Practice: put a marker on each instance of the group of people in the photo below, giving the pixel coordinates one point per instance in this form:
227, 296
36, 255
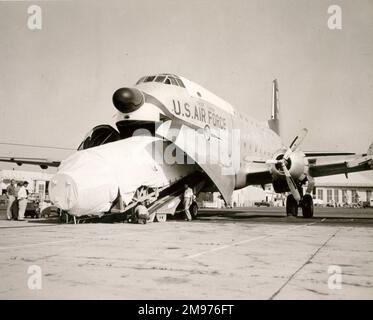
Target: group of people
17, 200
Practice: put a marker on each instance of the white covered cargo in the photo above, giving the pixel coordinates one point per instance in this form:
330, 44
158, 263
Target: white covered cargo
88, 182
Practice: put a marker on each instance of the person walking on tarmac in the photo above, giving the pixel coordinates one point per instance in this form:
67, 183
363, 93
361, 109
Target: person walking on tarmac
22, 201
187, 201
12, 194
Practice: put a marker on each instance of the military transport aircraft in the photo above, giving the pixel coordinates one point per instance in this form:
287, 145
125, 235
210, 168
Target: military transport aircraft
171, 131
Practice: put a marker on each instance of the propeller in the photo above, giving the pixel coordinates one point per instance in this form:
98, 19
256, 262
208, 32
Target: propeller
284, 161
293, 147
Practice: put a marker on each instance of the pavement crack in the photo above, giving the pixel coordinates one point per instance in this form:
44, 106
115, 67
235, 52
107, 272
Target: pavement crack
316, 292
304, 264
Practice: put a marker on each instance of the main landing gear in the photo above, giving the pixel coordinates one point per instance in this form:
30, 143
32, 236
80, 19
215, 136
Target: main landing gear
306, 203
291, 206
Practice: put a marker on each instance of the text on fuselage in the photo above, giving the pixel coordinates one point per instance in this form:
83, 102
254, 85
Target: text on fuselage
199, 113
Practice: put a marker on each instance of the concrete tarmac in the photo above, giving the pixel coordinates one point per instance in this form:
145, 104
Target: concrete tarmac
251, 253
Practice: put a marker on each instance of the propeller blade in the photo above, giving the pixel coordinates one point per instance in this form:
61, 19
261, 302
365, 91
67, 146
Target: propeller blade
287, 154
296, 143
289, 179
294, 191
272, 161
298, 139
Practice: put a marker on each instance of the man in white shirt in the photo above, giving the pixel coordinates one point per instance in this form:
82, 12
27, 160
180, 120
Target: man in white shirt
187, 201
22, 201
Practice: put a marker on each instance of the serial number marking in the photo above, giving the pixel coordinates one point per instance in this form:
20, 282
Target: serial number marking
202, 309
186, 309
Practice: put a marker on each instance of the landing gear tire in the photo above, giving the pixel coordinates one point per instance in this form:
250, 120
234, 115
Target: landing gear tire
193, 210
291, 206
161, 217
307, 206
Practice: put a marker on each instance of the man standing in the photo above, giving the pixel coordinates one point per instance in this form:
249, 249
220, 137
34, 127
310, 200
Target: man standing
22, 201
12, 193
188, 199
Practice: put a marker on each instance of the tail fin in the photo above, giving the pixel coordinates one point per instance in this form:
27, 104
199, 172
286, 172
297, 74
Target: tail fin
274, 122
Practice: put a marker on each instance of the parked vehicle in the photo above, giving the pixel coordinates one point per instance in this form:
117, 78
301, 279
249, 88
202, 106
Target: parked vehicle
318, 203
32, 209
262, 203
3, 200
366, 204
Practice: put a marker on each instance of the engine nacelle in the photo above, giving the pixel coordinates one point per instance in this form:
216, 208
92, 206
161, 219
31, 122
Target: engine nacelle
297, 164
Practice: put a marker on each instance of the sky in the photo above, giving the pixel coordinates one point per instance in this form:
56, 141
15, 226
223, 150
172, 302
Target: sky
57, 83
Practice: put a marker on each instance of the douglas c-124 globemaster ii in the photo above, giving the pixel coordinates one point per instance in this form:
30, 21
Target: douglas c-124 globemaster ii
171, 131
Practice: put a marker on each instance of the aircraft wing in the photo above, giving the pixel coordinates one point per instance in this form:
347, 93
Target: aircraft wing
258, 173
43, 163
310, 154
330, 165
259, 177
320, 164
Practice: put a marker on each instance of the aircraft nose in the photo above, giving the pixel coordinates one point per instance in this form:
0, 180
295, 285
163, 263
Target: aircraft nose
84, 184
128, 99
63, 191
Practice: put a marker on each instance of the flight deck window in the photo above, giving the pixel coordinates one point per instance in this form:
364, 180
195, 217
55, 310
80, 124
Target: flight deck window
160, 79
167, 81
173, 81
180, 83
149, 79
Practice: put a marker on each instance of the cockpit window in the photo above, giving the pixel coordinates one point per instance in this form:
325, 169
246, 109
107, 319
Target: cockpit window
149, 79
180, 83
163, 78
160, 78
173, 81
